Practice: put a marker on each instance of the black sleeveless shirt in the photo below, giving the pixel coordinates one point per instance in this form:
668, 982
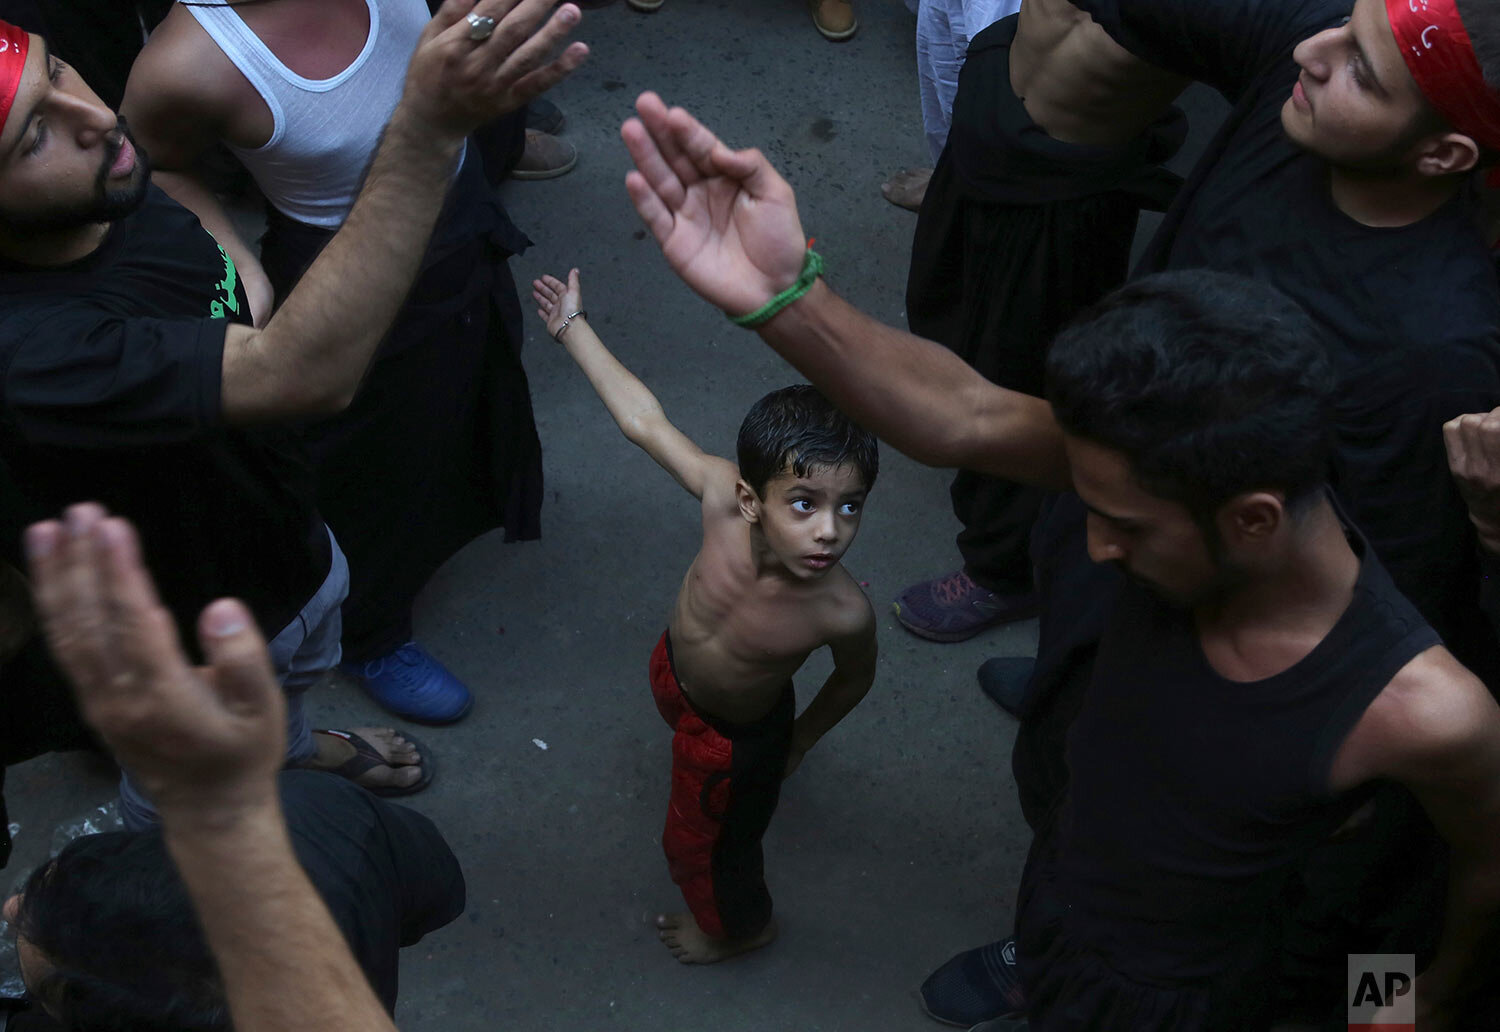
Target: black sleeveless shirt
1192, 797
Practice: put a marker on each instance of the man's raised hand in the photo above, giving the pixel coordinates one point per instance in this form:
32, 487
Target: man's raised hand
1473, 444
725, 220
205, 743
455, 83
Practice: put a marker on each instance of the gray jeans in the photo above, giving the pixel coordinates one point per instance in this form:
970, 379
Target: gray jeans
302, 652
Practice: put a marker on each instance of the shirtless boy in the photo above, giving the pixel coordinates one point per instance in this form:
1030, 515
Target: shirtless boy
765, 591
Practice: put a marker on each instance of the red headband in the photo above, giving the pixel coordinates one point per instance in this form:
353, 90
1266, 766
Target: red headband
14, 42
1441, 58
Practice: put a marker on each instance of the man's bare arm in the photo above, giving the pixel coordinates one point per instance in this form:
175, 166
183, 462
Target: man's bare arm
206, 744
918, 395
727, 224
636, 411
311, 356
179, 102
1436, 730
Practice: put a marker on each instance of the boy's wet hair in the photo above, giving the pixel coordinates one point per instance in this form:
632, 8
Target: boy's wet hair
798, 429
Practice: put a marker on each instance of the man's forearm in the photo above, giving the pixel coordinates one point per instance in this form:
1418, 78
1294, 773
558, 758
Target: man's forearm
916, 394
312, 355
286, 966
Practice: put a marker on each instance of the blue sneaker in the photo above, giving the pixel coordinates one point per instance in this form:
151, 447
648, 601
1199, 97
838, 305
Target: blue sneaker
412, 684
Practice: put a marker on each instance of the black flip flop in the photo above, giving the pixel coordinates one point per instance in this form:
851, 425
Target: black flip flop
366, 757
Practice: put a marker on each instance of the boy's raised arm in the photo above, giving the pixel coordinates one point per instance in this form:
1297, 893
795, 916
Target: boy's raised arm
634, 408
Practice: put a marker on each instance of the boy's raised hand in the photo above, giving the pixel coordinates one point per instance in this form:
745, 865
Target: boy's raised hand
726, 222
556, 300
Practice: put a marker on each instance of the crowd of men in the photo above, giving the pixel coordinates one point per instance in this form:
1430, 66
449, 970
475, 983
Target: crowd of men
1251, 485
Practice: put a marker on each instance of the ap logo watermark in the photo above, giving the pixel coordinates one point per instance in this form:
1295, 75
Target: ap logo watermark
1381, 993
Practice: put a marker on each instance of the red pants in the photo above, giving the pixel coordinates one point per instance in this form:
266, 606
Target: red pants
726, 780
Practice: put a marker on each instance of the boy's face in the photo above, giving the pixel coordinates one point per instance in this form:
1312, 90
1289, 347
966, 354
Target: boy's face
809, 521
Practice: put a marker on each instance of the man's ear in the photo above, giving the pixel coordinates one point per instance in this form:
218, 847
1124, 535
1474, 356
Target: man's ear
1252, 518
1447, 154
748, 500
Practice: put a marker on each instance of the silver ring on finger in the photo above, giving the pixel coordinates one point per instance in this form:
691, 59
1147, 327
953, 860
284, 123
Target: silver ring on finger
480, 26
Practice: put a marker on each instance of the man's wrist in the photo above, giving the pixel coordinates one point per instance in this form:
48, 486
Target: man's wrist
812, 271
221, 816
802, 312
411, 130
1488, 532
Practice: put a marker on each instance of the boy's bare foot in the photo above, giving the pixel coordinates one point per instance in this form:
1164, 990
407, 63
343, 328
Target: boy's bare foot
689, 944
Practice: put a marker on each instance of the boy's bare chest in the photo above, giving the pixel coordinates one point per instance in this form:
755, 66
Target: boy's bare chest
736, 641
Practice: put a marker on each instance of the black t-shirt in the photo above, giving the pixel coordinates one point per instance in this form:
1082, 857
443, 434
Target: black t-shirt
385, 872
1412, 315
110, 372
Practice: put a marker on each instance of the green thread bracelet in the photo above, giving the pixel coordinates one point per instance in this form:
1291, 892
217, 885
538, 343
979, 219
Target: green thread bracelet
812, 268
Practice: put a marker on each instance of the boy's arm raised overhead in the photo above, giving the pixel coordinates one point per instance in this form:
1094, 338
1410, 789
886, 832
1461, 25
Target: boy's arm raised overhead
634, 408
854, 655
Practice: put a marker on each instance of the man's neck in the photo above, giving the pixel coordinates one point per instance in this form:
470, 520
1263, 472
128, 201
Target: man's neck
52, 248
1390, 202
1276, 618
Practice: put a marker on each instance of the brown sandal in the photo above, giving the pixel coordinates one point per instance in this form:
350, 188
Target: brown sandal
366, 758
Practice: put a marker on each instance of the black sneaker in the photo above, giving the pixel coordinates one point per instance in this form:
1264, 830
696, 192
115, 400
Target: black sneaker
977, 986
1005, 680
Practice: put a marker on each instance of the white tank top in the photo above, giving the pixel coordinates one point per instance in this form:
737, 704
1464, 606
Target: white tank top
325, 130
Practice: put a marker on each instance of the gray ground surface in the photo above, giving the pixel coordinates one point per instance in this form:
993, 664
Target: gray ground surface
899, 841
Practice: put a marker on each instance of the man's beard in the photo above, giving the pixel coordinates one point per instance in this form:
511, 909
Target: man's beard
1226, 579
106, 205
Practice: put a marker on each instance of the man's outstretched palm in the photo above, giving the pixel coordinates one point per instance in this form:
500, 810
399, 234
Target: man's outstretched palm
726, 222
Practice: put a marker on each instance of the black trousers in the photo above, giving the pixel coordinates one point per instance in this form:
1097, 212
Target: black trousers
994, 283
440, 444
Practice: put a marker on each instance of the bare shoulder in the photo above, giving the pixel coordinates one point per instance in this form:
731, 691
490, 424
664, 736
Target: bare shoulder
181, 72
847, 612
1429, 720
719, 499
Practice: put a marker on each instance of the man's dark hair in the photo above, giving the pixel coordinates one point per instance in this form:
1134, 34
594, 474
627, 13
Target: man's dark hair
1210, 385
1481, 20
113, 918
797, 428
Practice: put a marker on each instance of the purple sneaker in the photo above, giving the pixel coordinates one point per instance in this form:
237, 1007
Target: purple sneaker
412, 684
954, 608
